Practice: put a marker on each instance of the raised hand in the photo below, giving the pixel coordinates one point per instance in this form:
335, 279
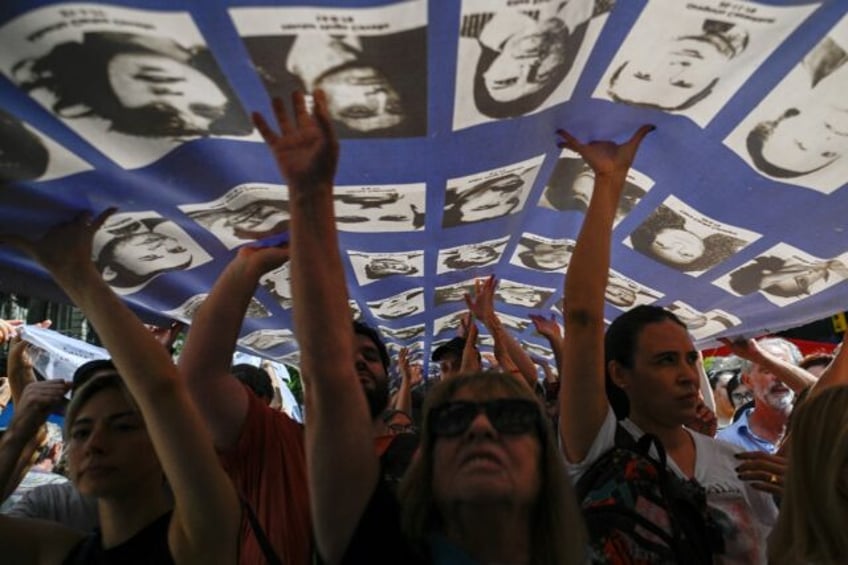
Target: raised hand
259, 260
66, 248
606, 157
744, 348
306, 149
36, 403
9, 329
547, 327
482, 305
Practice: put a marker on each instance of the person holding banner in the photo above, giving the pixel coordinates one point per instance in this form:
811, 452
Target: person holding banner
641, 376
474, 424
130, 425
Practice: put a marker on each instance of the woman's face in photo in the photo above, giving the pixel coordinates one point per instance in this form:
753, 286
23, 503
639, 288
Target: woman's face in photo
794, 278
363, 99
677, 246
499, 198
141, 79
151, 252
553, 257
814, 134
527, 63
477, 255
620, 295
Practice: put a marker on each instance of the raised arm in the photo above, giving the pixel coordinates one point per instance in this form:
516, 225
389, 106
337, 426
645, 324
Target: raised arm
583, 402
549, 328
342, 467
21, 439
208, 353
793, 376
483, 306
836, 373
204, 526
410, 375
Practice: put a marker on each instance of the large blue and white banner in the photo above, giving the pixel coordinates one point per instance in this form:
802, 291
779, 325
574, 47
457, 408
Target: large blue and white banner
733, 216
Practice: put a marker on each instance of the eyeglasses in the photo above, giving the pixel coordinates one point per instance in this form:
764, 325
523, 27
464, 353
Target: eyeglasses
507, 415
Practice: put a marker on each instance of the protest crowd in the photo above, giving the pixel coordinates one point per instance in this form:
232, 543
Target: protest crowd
633, 448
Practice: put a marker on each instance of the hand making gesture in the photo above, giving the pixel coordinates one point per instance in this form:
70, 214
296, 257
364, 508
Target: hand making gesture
306, 149
606, 157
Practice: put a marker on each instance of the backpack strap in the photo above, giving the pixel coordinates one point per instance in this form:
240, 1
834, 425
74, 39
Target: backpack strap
267, 550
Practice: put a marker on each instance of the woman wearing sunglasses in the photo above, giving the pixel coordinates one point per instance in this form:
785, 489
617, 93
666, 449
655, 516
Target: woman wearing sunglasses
488, 483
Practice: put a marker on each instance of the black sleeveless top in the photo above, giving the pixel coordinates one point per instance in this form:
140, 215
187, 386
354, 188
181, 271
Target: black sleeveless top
148, 547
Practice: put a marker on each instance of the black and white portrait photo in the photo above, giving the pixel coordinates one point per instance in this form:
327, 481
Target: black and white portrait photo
682, 238
400, 305
703, 324
134, 83
690, 58
515, 58
370, 62
245, 213
28, 155
799, 133
471, 256
384, 208
572, 183
453, 292
489, 194
370, 267
403, 334
520, 294
267, 339
785, 274
186, 311
625, 293
542, 254
278, 284
449, 322
132, 249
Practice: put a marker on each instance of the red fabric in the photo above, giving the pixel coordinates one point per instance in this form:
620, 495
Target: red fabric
804, 345
268, 467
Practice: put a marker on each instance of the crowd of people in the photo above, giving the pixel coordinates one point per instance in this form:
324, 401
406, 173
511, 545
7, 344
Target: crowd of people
191, 461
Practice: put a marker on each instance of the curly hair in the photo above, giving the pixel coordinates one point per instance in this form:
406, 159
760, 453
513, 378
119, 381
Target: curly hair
76, 73
718, 247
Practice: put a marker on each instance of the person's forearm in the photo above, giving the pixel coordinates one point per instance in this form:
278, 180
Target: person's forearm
342, 468
211, 341
16, 451
793, 376
403, 402
583, 403
519, 358
18, 374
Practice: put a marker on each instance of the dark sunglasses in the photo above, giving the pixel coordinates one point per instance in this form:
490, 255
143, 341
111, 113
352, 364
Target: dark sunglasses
507, 415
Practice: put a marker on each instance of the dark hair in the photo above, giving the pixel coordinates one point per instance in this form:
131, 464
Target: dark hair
718, 247
88, 369
455, 200
22, 154
76, 73
255, 378
620, 346
816, 359
490, 107
453, 347
361, 328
